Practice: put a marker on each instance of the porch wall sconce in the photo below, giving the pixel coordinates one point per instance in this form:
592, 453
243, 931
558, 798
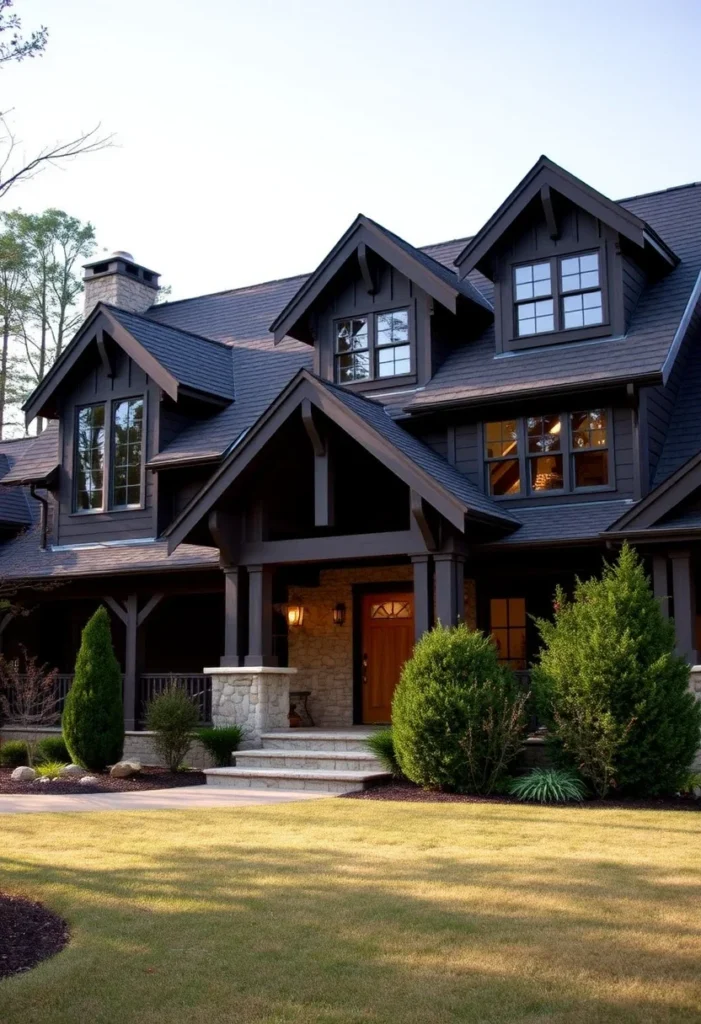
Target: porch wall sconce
339, 614
294, 614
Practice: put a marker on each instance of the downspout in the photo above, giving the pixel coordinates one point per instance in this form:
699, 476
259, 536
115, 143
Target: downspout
44, 513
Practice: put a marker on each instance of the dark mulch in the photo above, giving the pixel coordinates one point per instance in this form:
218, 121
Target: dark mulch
150, 778
406, 791
29, 933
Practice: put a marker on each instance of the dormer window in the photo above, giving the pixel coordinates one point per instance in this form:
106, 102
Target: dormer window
372, 347
559, 294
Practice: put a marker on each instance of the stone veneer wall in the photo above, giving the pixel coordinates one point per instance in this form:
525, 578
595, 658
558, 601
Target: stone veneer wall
138, 745
257, 699
322, 652
118, 290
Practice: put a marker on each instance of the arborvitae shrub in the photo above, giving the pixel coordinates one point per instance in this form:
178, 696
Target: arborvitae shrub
93, 716
458, 714
612, 690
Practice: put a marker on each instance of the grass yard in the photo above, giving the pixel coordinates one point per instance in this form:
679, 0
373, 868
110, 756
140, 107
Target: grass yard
360, 911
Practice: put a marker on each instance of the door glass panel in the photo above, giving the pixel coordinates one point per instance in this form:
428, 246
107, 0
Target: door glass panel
391, 610
507, 618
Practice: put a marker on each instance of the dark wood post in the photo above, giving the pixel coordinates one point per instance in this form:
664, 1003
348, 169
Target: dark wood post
131, 624
423, 594
232, 620
660, 582
684, 595
450, 600
4, 623
260, 616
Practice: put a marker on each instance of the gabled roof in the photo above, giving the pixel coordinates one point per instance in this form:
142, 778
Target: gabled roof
14, 508
545, 174
659, 503
37, 461
409, 459
437, 280
177, 360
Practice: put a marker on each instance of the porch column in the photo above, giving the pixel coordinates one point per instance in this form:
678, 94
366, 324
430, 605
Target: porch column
4, 623
131, 625
450, 586
232, 620
660, 582
423, 595
260, 616
684, 596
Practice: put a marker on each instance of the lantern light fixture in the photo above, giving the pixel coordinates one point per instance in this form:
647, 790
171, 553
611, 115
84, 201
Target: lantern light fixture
339, 614
295, 615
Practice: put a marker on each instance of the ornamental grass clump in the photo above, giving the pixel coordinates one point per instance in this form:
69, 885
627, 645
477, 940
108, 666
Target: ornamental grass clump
549, 786
93, 716
458, 715
381, 744
220, 741
172, 717
613, 692
49, 769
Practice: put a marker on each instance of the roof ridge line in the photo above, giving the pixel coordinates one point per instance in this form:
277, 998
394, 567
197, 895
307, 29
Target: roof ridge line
169, 327
659, 192
230, 291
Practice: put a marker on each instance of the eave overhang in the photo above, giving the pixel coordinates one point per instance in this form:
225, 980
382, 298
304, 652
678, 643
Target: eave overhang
305, 386
659, 502
546, 174
364, 232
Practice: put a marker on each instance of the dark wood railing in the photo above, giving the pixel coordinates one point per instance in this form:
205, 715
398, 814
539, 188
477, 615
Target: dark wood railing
197, 685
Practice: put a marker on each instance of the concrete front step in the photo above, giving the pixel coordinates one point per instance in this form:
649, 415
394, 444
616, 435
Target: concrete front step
287, 778
309, 760
317, 739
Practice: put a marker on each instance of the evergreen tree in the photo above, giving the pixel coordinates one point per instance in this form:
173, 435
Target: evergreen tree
614, 693
93, 718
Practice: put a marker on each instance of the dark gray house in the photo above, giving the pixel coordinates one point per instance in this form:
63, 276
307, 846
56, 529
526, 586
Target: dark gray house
307, 473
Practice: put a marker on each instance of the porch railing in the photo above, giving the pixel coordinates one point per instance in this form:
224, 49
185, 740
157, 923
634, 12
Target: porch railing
197, 685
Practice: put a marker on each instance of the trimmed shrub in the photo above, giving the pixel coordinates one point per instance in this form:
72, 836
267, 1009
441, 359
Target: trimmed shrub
172, 716
52, 748
14, 753
458, 715
612, 690
220, 742
548, 786
381, 744
93, 716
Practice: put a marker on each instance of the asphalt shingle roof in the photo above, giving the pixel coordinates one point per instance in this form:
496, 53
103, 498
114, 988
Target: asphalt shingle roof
38, 457
14, 503
559, 524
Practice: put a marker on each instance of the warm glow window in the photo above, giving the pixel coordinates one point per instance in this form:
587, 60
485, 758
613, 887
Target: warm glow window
90, 458
507, 623
372, 347
559, 294
552, 452
127, 446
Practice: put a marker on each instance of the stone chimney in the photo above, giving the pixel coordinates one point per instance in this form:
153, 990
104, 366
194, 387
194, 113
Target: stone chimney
121, 282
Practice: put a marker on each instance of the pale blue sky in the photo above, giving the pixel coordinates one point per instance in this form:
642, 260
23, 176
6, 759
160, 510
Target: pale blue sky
251, 133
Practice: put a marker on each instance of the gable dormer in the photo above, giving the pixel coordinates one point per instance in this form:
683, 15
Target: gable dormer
368, 311
567, 263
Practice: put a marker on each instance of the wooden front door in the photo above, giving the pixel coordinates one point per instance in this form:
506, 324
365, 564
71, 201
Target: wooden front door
388, 639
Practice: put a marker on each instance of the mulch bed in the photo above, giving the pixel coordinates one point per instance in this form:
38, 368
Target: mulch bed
29, 933
150, 778
406, 791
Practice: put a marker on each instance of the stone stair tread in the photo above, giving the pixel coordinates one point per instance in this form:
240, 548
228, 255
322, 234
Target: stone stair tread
317, 755
297, 773
355, 733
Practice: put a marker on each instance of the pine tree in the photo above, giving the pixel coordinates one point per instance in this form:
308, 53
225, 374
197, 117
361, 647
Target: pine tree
614, 693
93, 718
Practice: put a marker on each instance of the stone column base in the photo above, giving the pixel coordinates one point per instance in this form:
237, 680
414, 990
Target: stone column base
256, 698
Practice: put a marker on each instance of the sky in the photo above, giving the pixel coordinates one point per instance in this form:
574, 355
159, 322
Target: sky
248, 135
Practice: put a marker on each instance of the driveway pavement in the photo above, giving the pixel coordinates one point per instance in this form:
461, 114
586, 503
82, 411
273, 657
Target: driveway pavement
186, 798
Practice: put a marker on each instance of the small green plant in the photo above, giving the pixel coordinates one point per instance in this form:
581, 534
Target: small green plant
49, 769
691, 784
172, 716
548, 786
14, 754
52, 748
220, 742
381, 744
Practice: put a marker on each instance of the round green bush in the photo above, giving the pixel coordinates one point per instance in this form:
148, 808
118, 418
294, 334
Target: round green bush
93, 716
14, 753
52, 748
172, 716
220, 741
458, 715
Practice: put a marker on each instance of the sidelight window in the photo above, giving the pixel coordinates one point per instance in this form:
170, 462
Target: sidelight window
90, 458
127, 448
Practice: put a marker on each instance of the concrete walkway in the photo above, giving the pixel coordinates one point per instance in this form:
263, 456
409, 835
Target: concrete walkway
179, 799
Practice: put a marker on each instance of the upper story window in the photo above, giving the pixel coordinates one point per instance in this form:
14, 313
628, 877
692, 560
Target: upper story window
372, 347
554, 452
109, 450
90, 458
127, 434
576, 301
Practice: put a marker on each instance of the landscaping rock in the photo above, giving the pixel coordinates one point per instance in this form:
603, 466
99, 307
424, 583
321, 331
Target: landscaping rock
72, 770
88, 780
23, 774
123, 769
43, 781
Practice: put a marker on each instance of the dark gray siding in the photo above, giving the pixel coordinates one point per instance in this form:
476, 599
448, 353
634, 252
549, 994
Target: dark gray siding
633, 280
660, 401
96, 386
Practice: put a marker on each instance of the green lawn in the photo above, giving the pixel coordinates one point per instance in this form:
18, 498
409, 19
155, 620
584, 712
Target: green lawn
341, 911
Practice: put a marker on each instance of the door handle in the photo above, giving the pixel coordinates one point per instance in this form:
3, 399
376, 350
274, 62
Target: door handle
365, 669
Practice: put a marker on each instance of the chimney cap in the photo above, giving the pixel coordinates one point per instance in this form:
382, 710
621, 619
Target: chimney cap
124, 255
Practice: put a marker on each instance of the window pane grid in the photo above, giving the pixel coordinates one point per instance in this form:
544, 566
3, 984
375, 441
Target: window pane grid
582, 302
501, 451
373, 347
508, 629
90, 458
590, 456
127, 426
